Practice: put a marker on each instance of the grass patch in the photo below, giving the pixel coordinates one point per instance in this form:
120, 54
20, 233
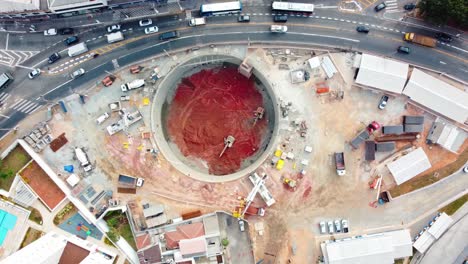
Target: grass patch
11, 164
430, 178
31, 236
119, 227
452, 207
65, 213
35, 216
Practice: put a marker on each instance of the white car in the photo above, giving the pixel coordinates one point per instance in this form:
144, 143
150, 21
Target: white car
140, 182
151, 30
77, 73
338, 226
113, 28
34, 73
465, 170
102, 118
345, 225
278, 29
50, 32
146, 22
241, 225
323, 227
331, 230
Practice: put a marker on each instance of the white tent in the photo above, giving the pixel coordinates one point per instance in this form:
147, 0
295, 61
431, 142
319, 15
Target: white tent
409, 165
381, 73
438, 96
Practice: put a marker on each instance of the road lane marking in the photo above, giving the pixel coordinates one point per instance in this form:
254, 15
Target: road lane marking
7, 39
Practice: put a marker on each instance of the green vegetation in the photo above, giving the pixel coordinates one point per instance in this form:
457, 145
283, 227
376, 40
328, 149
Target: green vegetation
31, 236
442, 12
452, 207
63, 214
430, 178
11, 165
119, 227
35, 216
225, 242
108, 242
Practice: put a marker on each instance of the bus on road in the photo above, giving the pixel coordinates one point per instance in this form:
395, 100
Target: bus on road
221, 8
293, 7
5, 80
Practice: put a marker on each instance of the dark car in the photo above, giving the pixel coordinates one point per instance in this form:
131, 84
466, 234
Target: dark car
443, 37
71, 40
409, 7
363, 29
380, 7
169, 35
54, 57
383, 102
281, 18
66, 31
403, 49
243, 18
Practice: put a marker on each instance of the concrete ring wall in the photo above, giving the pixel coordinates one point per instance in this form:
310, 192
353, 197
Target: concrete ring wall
167, 86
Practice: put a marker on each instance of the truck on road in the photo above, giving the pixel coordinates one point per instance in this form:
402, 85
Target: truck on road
83, 159
115, 37
340, 163
132, 85
420, 39
78, 49
197, 21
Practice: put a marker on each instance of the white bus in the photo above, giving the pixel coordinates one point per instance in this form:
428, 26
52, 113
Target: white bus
221, 8
292, 7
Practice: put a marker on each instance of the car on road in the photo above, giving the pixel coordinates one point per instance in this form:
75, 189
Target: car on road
151, 30
77, 73
465, 170
145, 22
241, 225
323, 227
50, 32
380, 7
71, 40
108, 80
280, 18
363, 29
383, 102
66, 31
34, 73
140, 182
243, 18
345, 225
169, 35
403, 49
113, 28
409, 7
278, 29
54, 57
338, 226
330, 227
443, 37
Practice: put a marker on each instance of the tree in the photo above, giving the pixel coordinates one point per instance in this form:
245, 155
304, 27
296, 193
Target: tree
113, 234
441, 11
112, 222
225, 242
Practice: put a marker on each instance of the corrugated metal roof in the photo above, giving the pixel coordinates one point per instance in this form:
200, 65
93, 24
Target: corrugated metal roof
370, 150
381, 73
385, 146
440, 226
438, 96
394, 130
409, 165
423, 242
417, 120
409, 128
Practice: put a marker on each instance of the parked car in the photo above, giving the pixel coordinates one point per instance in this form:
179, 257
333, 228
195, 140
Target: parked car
151, 30
241, 225
66, 31
113, 28
383, 102
323, 227
338, 226
330, 227
77, 73
443, 37
54, 57
146, 22
108, 80
102, 118
50, 32
363, 29
34, 73
380, 7
345, 225
280, 18
140, 182
403, 49
243, 18
409, 7
71, 40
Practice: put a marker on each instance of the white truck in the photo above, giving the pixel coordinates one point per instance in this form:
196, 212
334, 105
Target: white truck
83, 159
132, 85
115, 37
197, 21
77, 49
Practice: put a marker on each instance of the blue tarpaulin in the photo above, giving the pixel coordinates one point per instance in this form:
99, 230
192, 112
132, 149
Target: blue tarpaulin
68, 168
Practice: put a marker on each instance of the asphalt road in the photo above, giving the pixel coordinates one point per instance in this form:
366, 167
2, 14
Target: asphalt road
326, 28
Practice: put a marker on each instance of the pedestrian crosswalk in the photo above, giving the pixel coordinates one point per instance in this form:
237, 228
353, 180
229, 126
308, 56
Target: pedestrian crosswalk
25, 106
392, 6
4, 97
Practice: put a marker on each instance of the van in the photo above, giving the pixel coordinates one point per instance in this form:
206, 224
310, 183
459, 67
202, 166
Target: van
280, 18
169, 35
102, 118
278, 29
115, 37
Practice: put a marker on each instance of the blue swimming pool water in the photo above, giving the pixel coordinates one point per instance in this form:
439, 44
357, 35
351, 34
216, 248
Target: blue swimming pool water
7, 223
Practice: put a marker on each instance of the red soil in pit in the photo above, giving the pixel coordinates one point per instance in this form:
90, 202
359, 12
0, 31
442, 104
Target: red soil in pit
207, 107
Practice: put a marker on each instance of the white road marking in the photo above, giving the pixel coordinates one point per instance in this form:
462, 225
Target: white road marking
459, 49
34, 109
354, 22
441, 62
7, 39
31, 107
56, 88
18, 101
23, 106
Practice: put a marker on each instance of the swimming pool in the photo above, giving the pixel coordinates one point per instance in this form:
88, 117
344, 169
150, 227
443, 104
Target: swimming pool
7, 223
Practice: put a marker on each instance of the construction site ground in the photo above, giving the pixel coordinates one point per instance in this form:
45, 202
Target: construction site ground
290, 227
